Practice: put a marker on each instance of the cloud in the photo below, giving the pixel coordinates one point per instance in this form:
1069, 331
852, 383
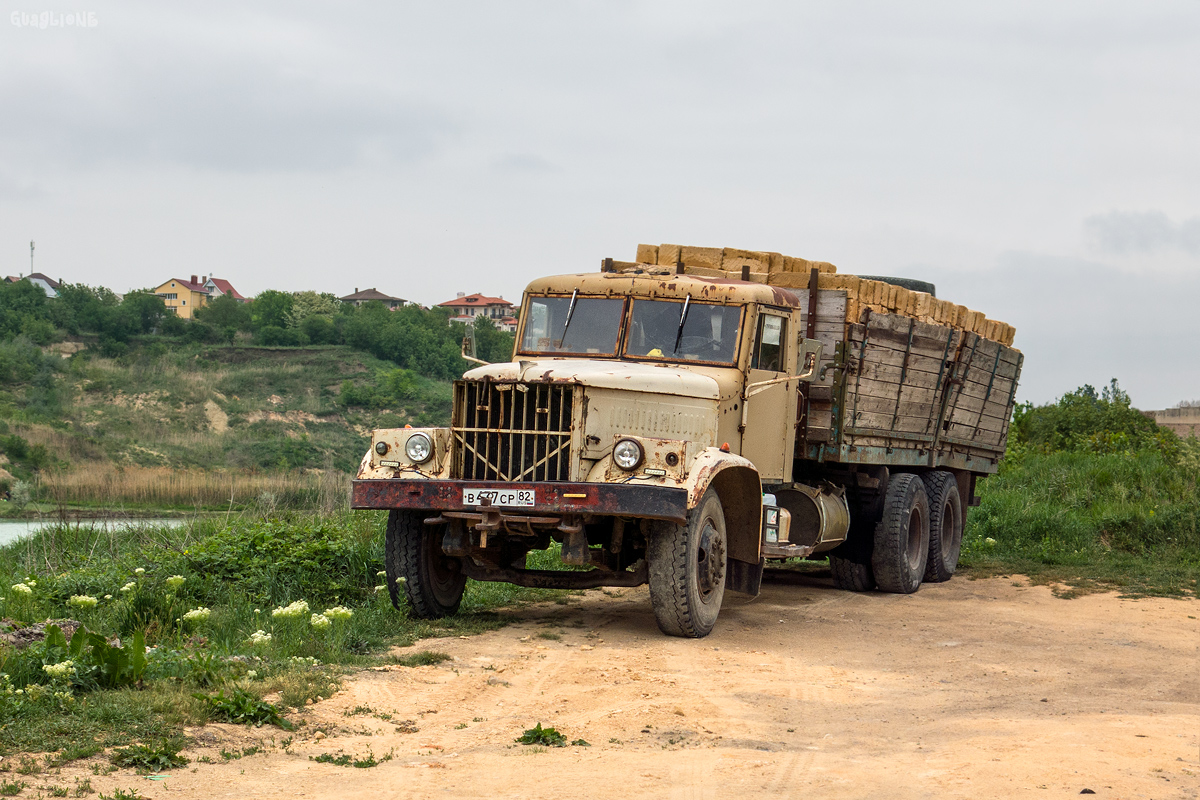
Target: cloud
1085, 322
1132, 233
183, 101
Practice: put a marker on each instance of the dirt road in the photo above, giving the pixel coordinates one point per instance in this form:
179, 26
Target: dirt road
979, 689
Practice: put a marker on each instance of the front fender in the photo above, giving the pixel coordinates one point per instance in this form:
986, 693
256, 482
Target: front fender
737, 483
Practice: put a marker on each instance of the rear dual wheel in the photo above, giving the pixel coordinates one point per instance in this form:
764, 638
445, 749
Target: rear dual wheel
901, 550
946, 520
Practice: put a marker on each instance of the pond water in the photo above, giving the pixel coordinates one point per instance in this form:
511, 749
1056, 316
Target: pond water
11, 530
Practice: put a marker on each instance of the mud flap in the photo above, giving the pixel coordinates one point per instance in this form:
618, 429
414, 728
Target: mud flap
744, 576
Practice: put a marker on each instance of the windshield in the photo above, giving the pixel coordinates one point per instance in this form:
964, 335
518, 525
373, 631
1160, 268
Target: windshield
595, 324
661, 329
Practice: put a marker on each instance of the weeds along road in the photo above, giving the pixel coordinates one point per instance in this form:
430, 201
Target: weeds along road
966, 689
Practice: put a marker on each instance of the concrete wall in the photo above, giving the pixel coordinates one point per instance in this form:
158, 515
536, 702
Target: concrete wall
1183, 421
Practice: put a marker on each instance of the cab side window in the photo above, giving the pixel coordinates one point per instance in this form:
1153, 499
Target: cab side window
768, 343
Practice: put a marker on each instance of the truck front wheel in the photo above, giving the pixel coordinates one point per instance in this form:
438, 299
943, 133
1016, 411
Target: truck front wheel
687, 570
432, 582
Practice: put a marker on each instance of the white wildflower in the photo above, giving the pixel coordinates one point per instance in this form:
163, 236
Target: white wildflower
296, 610
140, 571
320, 621
22, 588
338, 613
108, 597
82, 601
31, 582
174, 582
260, 637
200, 614
381, 574
64, 669
990, 542
129, 587
252, 673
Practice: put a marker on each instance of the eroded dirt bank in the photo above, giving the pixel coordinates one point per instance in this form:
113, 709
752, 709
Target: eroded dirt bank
968, 689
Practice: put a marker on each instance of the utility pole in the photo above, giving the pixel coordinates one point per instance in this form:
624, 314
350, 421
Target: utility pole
30, 257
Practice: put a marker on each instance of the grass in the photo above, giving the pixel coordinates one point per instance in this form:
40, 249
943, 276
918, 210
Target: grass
425, 658
202, 595
1090, 521
108, 485
210, 427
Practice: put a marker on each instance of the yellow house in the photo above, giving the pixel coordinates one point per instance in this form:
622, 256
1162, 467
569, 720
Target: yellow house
183, 297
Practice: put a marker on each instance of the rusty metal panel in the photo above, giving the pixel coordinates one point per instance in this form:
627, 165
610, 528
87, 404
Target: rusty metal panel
628, 500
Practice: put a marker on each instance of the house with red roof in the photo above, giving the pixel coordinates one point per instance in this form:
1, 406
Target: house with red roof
183, 297
46, 284
467, 307
216, 287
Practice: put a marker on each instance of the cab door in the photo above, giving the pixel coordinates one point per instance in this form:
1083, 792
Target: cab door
769, 401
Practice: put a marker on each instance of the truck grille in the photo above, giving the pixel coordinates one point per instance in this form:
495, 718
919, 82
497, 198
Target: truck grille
512, 431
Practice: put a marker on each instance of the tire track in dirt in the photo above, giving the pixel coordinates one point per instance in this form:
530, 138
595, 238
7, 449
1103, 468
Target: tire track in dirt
934, 694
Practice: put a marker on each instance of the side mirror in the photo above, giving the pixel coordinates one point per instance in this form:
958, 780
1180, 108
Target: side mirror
468, 348
809, 359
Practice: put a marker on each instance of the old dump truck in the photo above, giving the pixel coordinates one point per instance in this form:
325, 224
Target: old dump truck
685, 418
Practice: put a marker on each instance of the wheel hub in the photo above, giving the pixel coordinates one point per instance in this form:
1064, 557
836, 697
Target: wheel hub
710, 560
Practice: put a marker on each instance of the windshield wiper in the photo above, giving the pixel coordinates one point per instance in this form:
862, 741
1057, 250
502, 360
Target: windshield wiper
567, 322
682, 319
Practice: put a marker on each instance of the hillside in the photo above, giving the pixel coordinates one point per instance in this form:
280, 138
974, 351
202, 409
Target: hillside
85, 427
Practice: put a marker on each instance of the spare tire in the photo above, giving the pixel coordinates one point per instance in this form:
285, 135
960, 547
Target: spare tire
911, 284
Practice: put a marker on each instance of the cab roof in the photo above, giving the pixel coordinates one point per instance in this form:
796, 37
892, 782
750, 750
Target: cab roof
664, 283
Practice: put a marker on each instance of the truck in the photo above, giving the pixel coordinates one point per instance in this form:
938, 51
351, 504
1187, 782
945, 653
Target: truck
685, 419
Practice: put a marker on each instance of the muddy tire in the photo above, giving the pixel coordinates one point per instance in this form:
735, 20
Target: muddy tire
902, 536
433, 582
688, 564
945, 525
852, 574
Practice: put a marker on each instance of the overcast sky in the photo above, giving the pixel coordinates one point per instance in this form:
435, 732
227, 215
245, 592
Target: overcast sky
1038, 161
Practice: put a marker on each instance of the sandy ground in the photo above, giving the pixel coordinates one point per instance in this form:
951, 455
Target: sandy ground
979, 689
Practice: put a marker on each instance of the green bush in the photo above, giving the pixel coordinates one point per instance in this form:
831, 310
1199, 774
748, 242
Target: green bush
1092, 490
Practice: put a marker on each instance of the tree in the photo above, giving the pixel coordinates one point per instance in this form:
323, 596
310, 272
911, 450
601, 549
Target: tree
225, 312
145, 309
270, 309
307, 304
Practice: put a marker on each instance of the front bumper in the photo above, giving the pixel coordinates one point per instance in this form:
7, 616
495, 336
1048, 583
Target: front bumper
615, 499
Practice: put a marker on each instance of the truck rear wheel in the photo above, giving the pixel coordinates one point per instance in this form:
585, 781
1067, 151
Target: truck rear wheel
687, 570
902, 536
851, 574
945, 525
433, 582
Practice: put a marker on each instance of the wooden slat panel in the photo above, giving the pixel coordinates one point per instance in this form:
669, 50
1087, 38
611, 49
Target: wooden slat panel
883, 422
894, 391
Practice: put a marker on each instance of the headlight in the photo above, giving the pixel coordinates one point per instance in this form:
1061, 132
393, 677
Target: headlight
418, 448
381, 448
627, 454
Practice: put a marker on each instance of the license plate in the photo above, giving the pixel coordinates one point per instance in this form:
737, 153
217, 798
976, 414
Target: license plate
510, 498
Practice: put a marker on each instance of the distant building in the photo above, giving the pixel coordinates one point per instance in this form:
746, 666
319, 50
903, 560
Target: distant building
217, 287
182, 298
468, 306
1184, 421
47, 285
367, 295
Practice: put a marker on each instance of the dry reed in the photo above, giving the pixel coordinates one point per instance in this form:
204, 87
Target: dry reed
111, 486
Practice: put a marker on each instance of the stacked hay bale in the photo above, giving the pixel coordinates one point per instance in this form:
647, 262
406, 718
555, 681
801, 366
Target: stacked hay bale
794, 273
